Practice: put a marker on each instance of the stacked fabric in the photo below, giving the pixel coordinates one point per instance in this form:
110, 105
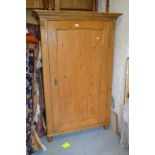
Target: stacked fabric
29, 100
35, 109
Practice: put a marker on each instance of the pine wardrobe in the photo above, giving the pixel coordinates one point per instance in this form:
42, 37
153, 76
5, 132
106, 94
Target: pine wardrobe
77, 56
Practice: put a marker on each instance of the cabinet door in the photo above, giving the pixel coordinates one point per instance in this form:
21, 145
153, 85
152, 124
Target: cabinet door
78, 59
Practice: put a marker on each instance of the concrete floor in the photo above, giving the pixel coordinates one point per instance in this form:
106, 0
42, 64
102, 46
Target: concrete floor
98, 141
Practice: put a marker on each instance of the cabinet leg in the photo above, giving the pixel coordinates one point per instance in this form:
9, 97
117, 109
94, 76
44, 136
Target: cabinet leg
105, 126
49, 138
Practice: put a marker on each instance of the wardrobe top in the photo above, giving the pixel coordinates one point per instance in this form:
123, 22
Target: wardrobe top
49, 14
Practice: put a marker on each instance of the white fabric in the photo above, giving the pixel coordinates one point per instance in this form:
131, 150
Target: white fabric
125, 127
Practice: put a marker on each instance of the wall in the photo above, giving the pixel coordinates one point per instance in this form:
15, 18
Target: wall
120, 51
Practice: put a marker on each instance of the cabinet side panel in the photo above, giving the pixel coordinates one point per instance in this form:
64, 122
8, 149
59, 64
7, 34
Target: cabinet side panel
46, 75
110, 51
53, 54
104, 73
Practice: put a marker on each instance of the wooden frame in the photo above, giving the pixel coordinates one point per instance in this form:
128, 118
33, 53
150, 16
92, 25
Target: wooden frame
107, 6
40, 4
55, 5
58, 6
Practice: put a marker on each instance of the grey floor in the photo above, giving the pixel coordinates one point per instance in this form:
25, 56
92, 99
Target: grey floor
98, 141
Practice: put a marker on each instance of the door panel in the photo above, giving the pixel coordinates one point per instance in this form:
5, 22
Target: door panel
78, 67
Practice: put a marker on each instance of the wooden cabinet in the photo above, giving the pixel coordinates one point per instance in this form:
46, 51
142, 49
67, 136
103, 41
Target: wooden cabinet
32, 4
40, 4
77, 52
87, 5
77, 4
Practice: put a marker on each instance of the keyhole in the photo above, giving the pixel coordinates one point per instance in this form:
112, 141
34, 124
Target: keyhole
55, 82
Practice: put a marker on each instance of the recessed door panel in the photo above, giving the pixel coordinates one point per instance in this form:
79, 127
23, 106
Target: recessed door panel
78, 69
